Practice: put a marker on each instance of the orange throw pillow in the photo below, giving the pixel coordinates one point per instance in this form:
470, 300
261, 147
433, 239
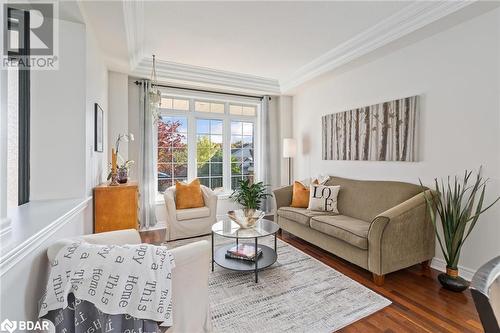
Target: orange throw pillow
188, 195
300, 195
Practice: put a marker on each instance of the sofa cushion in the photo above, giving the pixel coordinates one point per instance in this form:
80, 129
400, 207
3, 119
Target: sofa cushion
299, 215
365, 199
348, 229
189, 195
192, 213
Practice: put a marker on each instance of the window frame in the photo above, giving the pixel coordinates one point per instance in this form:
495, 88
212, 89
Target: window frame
192, 117
24, 105
254, 148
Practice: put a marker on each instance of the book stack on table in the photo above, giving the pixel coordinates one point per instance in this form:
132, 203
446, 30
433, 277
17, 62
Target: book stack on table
243, 252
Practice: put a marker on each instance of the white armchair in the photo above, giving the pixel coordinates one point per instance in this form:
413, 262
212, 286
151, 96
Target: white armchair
189, 277
184, 223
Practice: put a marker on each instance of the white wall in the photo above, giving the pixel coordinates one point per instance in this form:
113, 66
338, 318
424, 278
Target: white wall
457, 74
286, 131
58, 118
118, 111
63, 161
97, 92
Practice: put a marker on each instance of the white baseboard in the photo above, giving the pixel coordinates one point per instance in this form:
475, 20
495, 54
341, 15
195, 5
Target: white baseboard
440, 265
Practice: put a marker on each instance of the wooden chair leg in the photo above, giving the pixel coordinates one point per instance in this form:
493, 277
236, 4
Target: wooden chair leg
378, 279
426, 264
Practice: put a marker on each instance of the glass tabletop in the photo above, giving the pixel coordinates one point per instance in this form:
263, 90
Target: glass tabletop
230, 229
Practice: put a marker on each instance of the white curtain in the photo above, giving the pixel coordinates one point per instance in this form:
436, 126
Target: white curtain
147, 158
269, 172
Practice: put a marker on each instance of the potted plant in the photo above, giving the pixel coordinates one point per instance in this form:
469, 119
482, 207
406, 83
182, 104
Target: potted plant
458, 205
249, 196
123, 170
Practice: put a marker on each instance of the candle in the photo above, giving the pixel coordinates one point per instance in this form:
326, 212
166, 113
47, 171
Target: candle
113, 160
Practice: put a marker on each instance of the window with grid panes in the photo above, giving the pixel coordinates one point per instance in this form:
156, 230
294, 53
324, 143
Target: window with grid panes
209, 140
242, 152
172, 151
209, 152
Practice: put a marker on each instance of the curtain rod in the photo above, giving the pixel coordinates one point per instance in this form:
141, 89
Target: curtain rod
207, 91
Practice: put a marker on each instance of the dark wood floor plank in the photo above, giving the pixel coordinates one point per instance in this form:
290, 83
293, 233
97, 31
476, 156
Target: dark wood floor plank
419, 304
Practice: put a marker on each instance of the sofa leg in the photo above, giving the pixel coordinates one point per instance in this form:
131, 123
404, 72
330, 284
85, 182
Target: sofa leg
378, 279
426, 264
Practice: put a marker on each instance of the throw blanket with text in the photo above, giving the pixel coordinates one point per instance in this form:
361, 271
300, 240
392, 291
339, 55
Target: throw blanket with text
130, 279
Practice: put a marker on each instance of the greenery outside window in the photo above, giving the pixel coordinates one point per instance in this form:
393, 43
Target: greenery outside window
213, 140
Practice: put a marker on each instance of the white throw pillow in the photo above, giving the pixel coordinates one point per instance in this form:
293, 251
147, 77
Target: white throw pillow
323, 198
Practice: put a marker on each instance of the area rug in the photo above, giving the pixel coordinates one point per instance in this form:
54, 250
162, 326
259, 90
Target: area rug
297, 294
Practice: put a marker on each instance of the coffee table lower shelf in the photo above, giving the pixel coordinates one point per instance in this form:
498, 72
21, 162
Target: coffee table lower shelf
266, 259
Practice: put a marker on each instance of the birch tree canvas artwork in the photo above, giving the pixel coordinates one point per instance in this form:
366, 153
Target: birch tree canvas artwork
381, 132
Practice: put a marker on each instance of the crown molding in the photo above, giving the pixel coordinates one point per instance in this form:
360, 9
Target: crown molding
133, 18
175, 72
407, 20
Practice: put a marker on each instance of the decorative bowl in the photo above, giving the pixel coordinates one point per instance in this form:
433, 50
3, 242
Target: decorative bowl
245, 218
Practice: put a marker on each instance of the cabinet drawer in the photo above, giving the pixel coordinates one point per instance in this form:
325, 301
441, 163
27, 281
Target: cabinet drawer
115, 207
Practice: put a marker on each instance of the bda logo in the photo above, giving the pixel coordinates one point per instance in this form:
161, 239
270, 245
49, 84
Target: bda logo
24, 325
8, 325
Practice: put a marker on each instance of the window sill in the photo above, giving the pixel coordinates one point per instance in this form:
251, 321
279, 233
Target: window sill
32, 224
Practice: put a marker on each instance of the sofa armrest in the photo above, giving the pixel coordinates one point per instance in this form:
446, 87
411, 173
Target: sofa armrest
401, 236
169, 198
282, 196
190, 288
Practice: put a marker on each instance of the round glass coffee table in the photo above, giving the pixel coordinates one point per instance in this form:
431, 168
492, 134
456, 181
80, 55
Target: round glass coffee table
230, 229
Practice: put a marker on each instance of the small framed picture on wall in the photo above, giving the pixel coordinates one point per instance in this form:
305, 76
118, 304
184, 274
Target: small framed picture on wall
98, 128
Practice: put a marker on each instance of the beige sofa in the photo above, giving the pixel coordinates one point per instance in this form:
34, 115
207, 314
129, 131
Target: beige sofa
383, 226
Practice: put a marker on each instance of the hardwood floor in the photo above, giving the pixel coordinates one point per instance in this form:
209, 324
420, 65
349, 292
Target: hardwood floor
419, 304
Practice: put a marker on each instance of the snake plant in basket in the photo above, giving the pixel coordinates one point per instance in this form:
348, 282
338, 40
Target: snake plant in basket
456, 205
250, 196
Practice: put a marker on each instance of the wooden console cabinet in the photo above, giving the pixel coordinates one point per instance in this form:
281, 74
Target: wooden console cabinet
116, 207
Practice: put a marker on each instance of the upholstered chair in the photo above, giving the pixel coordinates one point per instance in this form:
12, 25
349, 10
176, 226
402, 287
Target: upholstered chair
189, 277
485, 290
191, 222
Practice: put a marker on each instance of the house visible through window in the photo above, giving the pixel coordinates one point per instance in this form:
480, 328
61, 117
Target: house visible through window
212, 140
242, 152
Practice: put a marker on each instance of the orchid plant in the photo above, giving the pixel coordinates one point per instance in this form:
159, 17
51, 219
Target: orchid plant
125, 137
122, 163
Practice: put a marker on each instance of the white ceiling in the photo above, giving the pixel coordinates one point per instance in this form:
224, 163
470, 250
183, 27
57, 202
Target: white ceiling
106, 21
258, 38
283, 42
266, 39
